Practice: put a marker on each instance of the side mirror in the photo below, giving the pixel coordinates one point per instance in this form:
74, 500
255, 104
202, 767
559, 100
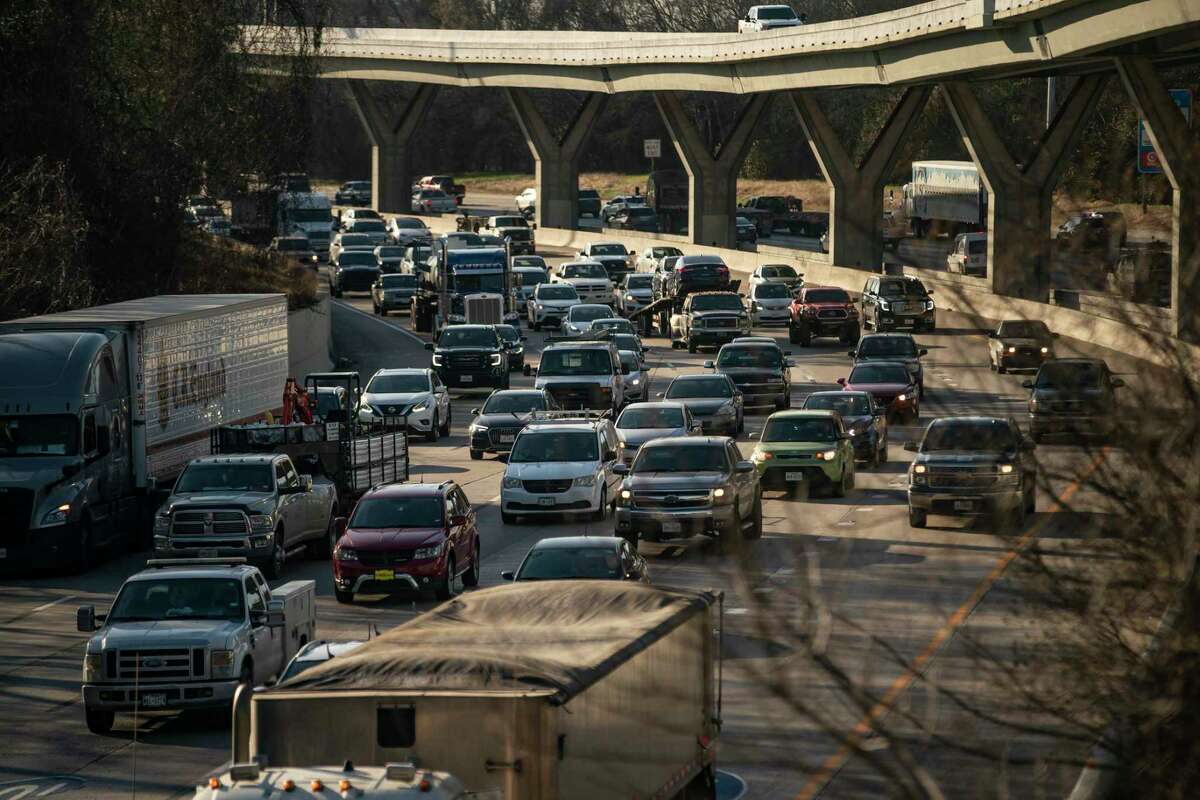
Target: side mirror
474, 412
625, 369
912, 447
258, 617
923, 352
787, 362
744, 467
709, 364
339, 526
71, 469
85, 619
696, 427
660, 394
458, 520
991, 334
429, 345
621, 469
275, 618
306, 483
1027, 383
507, 575
841, 381
1054, 335
851, 353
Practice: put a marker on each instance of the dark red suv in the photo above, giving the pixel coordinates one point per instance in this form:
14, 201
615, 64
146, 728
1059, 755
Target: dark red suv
823, 311
407, 537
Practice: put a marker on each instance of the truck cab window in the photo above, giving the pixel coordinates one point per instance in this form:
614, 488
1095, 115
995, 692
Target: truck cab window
253, 598
280, 475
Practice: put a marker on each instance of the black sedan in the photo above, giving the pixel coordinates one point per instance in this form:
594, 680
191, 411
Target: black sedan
865, 421
502, 417
746, 230
582, 558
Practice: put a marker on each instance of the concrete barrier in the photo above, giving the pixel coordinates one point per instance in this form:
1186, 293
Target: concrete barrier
310, 340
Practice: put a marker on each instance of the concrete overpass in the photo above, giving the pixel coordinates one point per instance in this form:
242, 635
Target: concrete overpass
945, 44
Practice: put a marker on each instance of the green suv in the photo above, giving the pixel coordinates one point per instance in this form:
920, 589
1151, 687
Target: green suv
803, 446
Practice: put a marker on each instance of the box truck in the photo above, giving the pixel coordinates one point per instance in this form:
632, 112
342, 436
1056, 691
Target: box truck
945, 197
101, 407
528, 691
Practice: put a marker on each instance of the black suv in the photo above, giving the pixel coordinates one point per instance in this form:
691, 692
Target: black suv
896, 347
972, 466
468, 356
502, 417
890, 302
1073, 396
760, 371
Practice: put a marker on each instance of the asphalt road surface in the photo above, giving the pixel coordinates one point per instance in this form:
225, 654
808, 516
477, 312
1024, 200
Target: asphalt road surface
892, 602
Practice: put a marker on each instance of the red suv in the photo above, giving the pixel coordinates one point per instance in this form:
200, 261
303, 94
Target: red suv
407, 537
823, 311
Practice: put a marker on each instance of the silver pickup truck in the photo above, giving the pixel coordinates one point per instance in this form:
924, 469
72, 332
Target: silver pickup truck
185, 634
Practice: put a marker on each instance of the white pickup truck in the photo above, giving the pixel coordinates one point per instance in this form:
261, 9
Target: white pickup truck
769, 18
185, 634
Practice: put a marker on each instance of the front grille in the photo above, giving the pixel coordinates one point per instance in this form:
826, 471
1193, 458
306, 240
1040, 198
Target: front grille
673, 501
960, 479
547, 487
156, 665
496, 435
465, 360
795, 455
884, 399
16, 508
720, 322
201, 523
206, 542
383, 558
832, 313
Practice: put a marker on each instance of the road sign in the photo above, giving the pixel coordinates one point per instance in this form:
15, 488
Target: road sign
1147, 157
652, 148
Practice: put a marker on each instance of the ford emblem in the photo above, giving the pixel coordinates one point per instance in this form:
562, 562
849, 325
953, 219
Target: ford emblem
152, 663
672, 498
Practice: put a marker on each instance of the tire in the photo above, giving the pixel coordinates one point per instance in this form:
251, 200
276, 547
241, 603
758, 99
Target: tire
434, 429
917, 517
756, 524
883, 452
793, 335
730, 540
471, 576
1031, 502
476, 455
804, 336
1000, 368
854, 333
323, 548
601, 513
839, 488
375, 308
537, 326
273, 567
1014, 521
445, 429
444, 588
691, 345
85, 554
741, 424
508, 519
503, 385
98, 720
874, 461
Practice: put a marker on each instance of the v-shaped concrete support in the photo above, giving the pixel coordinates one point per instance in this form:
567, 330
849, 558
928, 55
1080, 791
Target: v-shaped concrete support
556, 158
391, 176
856, 190
712, 198
1019, 196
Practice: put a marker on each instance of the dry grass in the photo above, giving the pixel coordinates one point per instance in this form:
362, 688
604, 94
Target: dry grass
208, 264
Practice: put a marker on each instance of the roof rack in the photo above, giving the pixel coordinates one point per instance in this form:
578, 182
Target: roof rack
160, 563
569, 415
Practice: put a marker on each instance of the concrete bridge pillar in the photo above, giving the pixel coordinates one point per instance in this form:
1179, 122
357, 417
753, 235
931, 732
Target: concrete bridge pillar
556, 158
1179, 151
391, 175
712, 196
1019, 196
856, 191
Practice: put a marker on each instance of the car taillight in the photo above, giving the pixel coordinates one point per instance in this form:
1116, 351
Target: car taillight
723, 270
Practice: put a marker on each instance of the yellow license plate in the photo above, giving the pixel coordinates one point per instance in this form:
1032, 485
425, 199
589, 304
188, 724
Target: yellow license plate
385, 574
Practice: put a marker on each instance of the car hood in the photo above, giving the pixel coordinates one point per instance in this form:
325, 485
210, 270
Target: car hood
398, 401
947, 459
829, 306
550, 381
610, 259
751, 374
587, 283
357, 268
550, 470
636, 437
913, 364
858, 423
646, 292
1022, 342
683, 481
387, 538
558, 303
800, 447
705, 405
166, 633
774, 302
246, 500
879, 388
717, 314
1088, 395
503, 420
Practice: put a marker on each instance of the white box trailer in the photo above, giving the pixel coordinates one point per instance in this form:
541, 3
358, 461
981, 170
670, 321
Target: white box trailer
127, 391
562, 689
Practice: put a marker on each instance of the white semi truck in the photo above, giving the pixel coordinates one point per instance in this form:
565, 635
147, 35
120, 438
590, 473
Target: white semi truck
945, 197
101, 408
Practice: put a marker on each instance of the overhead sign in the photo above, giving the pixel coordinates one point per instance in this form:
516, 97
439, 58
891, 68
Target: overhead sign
1148, 161
652, 148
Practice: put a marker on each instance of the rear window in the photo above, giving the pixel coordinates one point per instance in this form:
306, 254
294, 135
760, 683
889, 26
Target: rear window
589, 194
369, 226
826, 296
399, 281
682, 389
977, 248
552, 292
716, 302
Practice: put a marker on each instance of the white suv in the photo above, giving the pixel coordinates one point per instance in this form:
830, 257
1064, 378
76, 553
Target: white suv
416, 395
549, 304
562, 462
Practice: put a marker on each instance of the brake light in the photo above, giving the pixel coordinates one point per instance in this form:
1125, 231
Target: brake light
723, 269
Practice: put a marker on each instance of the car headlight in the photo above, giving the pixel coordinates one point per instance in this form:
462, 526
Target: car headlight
1033, 404
422, 406
724, 411
626, 495
827, 455
1045, 350
720, 496
162, 524
511, 483
900, 398
57, 516
1012, 349
261, 522
221, 662
919, 469
433, 551
585, 480
539, 307
497, 359
929, 305
345, 554
437, 359
761, 455
1006, 469
636, 382
884, 305
475, 427
93, 665
853, 432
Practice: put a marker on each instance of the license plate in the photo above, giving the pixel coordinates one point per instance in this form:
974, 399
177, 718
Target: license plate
467, 378
546, 501
385, 574
964, 505
672, 526
207, 552
898, 308
156, 700
507, 439
793, 476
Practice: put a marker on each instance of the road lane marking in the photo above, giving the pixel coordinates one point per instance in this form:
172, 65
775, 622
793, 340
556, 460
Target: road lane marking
53, 603
382, 322
864, 729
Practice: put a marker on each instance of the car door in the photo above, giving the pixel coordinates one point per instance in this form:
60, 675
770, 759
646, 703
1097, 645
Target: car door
743, 482
866, 299
311, 504
467, 536
441, 395
608, 457
455, 532
289, 508
266, 643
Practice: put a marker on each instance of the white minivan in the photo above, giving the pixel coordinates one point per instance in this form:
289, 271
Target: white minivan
969, 256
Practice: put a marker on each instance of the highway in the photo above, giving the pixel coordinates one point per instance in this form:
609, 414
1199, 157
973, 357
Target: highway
888, 596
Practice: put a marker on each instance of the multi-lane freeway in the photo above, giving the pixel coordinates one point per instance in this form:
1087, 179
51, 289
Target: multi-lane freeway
848, 578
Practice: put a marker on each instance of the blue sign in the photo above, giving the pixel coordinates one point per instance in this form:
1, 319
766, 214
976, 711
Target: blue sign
1148, 161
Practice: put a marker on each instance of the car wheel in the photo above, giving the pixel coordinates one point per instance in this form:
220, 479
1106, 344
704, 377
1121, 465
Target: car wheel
839, 488
274, 567
323, 548
537, 326
1014, 520
874, 460
731, 539
445, 587
1001, 368
85, 552
445, 429
434, 429
805, 336
854, 334
756, 524
343, 596
476, 455
691, 345
917, 517
741, 424
601, 513
98, 720
793, 335
471, 576
1031, 501
883, 452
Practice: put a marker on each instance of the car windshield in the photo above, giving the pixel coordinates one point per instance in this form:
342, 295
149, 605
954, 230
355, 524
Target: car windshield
574, 563
848, 405
716, 302
633, 418
627, 341
548, 292
1069, 375
390, 252
902, 287
534, 447
584, 271
404, 222
977, 247
826, 296
467, 337
39, 435
529, 261
887, 346
397, 512
879, 373
620, 325
745, 223
669, 262
462, 240
179, 598
531, 277
781, 271
660, 252
689, 388
609, 250
515, 403
399, 281
590, 194
369, 226
785, 429
1023, 329
510, 222
588, 313
330, 401
399, 384
508, 333
989, 437
557, 363
629, 361
292, 245
354, 240
681, 458
639, 281
764, 357
776, 12
226, 478
357, 258
772, 291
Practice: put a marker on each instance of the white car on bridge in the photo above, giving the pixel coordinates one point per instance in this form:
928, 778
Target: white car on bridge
527, 201
767, 18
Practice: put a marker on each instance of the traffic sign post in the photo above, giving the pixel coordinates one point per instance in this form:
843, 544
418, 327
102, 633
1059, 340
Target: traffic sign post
652, 149
1148, 161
